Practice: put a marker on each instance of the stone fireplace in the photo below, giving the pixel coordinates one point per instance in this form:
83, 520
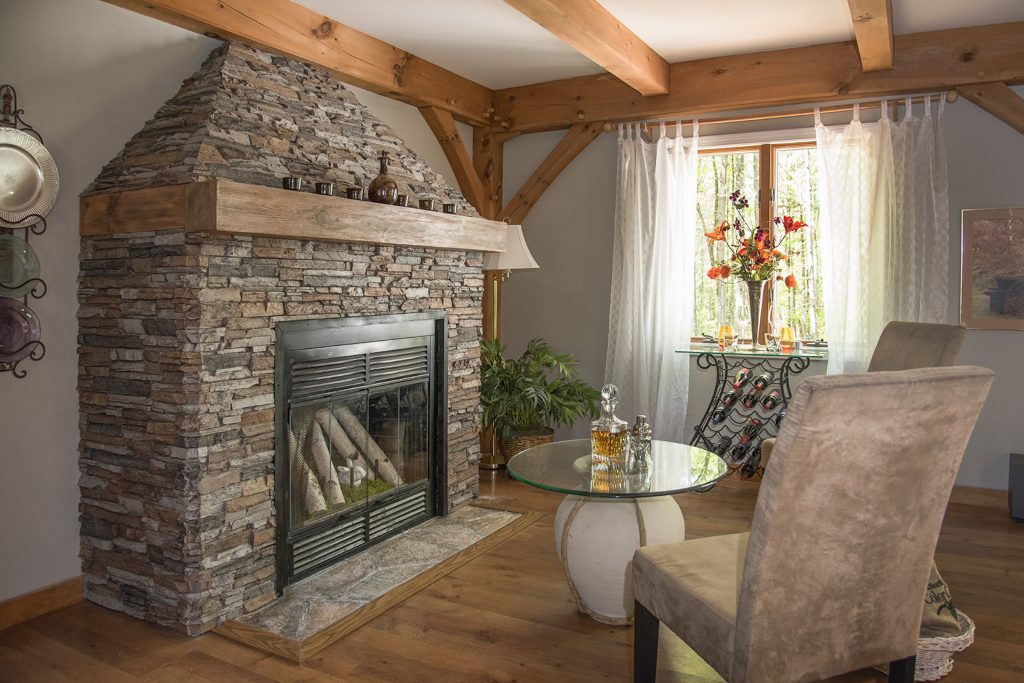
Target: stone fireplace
196, 275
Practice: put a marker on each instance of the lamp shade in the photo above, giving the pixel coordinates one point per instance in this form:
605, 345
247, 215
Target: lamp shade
516, 256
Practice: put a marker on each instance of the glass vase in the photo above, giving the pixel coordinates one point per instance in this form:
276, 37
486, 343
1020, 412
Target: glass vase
755, 290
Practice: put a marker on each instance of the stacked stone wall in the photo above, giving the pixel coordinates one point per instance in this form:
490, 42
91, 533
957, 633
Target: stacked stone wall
176, 388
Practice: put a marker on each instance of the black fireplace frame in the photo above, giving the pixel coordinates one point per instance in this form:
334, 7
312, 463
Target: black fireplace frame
297, 336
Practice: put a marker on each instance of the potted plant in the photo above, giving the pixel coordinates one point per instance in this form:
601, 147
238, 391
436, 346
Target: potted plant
525, 398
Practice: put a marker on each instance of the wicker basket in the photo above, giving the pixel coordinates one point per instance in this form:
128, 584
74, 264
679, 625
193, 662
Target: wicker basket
510, 448
935, 655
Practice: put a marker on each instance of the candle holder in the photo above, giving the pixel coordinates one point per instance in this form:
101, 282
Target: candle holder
326, 189
291, 183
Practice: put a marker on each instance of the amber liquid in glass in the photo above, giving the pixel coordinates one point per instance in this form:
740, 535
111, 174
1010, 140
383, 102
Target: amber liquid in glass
609, 450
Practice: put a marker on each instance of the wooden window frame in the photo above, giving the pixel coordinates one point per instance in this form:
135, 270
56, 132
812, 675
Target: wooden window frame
767, 158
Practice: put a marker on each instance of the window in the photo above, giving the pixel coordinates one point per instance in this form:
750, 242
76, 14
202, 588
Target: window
777, 180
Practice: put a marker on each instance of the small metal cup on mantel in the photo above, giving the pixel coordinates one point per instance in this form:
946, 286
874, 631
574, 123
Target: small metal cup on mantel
326, 189
354, 193
402, 200
291, 183
449, 208
427, 204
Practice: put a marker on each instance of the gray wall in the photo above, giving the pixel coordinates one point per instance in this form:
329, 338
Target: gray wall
88, 75
570, 235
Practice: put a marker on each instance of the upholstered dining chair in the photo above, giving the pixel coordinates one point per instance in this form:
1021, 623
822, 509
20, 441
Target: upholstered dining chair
905, 346
830, 577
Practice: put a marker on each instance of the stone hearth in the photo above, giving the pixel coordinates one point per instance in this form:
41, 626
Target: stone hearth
177, 344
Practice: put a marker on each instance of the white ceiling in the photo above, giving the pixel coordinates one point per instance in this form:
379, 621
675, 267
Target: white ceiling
493, 44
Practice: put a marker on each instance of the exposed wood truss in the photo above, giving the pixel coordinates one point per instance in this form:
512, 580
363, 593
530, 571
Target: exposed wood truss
443, 126
999, 100
568, 148
872, 24
592, 31
291, 29
935, 60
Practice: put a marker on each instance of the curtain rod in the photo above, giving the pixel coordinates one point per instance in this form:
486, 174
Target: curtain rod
951, 96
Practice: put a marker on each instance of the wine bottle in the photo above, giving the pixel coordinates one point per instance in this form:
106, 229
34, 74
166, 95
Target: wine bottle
730, 398
721, 446
742, 377
750, 400
718, 417
751, 466
750, 429
737, 452
773, 399
762, 381
778, 417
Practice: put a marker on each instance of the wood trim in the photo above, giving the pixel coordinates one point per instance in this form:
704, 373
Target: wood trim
999, 100
442, 124
595, 33
225, 207
298, 651
21, 608
973, 495
489, 161
578, 137
872, 24
294, 30
765, 205
929, 61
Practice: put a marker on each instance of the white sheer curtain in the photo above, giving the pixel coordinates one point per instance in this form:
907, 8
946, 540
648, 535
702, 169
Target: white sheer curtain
918, 263
652, 290
885, 236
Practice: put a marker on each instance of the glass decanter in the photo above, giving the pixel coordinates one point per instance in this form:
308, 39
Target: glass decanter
609, 435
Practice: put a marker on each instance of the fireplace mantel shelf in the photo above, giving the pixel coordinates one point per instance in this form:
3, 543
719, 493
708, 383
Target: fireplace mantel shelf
221, 206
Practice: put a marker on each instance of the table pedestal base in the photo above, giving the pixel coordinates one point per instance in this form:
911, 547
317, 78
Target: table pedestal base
596, 538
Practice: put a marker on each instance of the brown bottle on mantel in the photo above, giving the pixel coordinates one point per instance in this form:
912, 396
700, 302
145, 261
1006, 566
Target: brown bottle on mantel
383, 188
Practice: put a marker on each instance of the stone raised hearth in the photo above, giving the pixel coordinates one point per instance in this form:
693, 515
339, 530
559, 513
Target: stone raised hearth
176, 330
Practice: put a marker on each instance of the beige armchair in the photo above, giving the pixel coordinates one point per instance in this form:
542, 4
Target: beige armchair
829, 579
905, 346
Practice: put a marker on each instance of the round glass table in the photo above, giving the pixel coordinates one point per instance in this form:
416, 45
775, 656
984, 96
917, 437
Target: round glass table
606, 516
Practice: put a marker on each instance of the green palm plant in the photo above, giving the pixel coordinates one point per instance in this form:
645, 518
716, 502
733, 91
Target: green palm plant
532, 394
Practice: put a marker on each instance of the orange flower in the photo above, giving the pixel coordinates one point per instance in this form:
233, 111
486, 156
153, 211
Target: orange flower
724, 271
779, 255
714, 272
718, 234
791, 281
792, 225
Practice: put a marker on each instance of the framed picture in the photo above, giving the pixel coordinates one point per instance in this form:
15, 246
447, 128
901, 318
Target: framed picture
992, 295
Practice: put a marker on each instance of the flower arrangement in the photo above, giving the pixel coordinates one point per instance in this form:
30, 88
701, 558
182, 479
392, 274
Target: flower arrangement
754, 255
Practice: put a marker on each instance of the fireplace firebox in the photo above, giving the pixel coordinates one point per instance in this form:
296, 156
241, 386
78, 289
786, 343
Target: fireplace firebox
361, 434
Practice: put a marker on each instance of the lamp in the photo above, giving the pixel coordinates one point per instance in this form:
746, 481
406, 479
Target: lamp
516, 256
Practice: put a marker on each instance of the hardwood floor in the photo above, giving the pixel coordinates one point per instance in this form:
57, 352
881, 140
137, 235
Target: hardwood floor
507, 616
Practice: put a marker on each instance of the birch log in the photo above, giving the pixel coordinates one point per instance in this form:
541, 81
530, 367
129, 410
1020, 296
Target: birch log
375, 456
309, 488
341, 442
322, 459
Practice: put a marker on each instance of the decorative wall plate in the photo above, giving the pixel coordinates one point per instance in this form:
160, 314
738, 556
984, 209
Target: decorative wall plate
28, 176
18, 265
19, 328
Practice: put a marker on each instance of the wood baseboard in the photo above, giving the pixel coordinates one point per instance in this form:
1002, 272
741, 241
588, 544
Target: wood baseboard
973, 495
37, 603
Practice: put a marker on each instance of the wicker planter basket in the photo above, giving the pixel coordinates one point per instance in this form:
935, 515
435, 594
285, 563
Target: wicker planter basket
935, 655
510, 448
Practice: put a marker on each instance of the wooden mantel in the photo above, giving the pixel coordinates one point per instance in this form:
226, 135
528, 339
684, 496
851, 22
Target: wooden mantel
226, 207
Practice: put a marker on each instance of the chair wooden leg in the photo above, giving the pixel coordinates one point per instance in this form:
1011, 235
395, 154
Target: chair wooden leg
645, 645
902, 670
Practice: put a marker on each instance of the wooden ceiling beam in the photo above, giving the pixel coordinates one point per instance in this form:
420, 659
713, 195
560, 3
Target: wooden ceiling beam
595, 33
291, 29
999, 100
935, 60
442, 124
872, 24
576, 139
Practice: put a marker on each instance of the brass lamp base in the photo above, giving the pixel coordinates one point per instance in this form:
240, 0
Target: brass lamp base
492, 463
